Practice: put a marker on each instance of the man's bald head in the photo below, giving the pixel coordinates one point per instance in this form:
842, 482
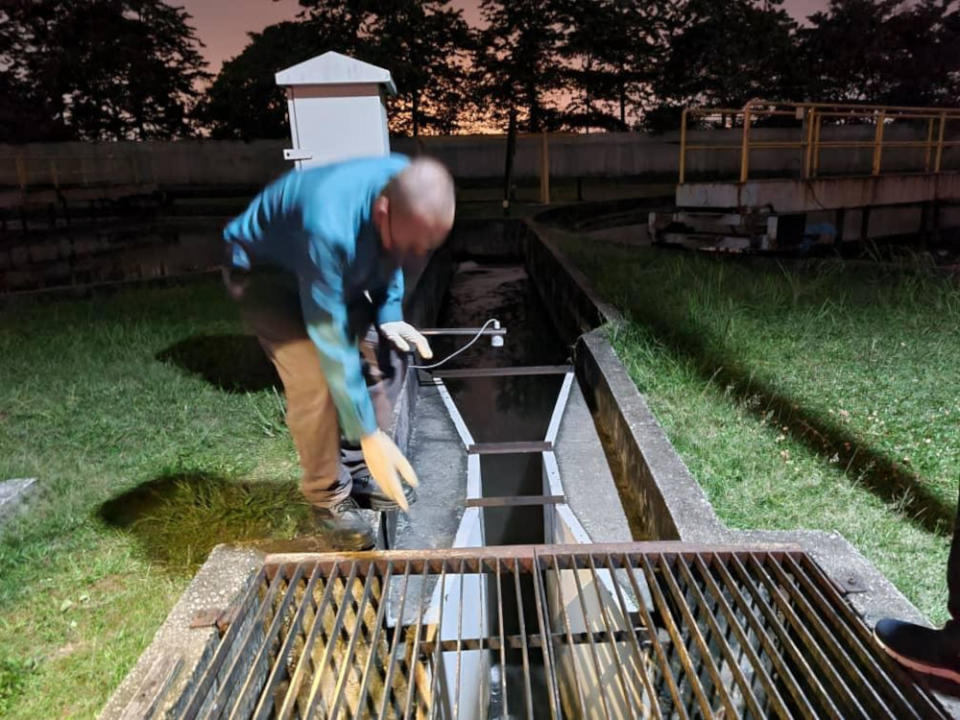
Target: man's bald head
415, 211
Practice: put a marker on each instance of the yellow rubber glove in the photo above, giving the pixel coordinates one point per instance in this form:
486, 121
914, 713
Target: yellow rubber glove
402, 335
384, 460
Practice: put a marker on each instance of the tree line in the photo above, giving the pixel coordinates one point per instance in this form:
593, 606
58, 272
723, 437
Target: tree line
133, 69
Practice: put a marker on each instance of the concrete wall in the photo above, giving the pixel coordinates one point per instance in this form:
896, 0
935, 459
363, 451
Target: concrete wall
476, 157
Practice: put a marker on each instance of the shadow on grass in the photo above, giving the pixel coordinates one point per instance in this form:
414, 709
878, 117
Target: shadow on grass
179, 518
886, 478
233, 363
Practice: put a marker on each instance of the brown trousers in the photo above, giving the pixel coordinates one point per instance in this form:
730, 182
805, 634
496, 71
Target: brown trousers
269, 303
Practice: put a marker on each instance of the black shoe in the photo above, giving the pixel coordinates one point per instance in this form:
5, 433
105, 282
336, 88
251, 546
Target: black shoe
343, 526
934, 652
369, 495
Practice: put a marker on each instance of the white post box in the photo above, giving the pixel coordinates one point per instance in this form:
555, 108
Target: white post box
337, 110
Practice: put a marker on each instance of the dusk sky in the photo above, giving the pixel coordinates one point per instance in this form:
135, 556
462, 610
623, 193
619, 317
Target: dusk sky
223, 24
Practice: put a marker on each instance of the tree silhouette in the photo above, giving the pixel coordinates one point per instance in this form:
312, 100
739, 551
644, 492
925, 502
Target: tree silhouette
424, 44
100, 69
244, 101
881, 51
724, 53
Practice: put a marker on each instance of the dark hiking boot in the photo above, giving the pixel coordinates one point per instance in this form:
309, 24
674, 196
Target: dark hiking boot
343, 526
369, 495
934, 652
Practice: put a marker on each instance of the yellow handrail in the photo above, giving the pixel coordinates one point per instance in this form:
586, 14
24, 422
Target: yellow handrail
810, 144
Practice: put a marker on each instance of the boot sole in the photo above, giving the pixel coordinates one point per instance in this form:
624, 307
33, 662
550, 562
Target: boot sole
926, 669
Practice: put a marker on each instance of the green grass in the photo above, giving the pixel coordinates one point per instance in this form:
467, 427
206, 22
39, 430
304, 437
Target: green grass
155, 433
818, 396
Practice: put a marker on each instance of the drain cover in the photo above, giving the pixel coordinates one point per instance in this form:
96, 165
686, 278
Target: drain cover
659, 630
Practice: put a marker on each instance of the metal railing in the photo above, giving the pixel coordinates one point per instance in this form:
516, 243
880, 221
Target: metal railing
932, 120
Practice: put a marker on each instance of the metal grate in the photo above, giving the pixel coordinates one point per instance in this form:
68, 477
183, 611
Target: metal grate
659, 630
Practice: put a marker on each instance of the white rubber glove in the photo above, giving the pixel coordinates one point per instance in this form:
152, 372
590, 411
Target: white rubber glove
384, 460
402, 334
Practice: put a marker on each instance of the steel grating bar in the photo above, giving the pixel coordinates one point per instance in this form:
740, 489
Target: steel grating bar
919, 702
638, 656
678, 704
706, 657
825, 668
770, 688
565, 618
730, 632
796, 692
676, 637
753, 704
224, 648
850, 669
525, 652
612, 638
796, 657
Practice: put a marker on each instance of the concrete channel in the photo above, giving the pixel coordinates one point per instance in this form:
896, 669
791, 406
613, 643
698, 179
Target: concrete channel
542, 442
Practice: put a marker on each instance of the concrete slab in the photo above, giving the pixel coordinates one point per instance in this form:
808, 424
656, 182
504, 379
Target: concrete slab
220, 583
587, 481
14, 494
797, 195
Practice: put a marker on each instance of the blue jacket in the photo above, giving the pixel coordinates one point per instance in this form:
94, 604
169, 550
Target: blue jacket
316, 224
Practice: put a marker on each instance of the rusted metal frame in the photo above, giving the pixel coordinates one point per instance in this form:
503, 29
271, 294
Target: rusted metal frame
484, 626
839, 683
375, 638
828, 610
745, 690
871, 143
772, 693
808, 144
347, 661
706, 657
665, 666
315, 698
856, 627
276, 625
817, 125
683, 146
437, 660
226, 645
395, 642
611, 640
796, 692
266, 702
565, 621
456, 690
543, 623
503, 649
509, 448
296, 678
776, 144
516, 371
517, 641
413, 654
632, 636
799, 659
878, 143
515, 500
745, 144
595, 656
938, 158
523, 648
525, 554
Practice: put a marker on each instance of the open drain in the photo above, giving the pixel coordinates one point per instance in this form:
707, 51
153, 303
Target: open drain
724, 633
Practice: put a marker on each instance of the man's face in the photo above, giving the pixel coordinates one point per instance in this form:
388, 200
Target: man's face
403, 234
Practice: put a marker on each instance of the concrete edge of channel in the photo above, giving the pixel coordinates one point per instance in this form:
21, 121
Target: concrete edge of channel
172, 661
661, 495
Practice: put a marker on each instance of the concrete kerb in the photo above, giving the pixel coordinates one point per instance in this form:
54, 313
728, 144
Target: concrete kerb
658, 491
178, 652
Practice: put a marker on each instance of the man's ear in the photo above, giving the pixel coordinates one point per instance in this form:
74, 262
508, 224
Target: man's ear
379, 215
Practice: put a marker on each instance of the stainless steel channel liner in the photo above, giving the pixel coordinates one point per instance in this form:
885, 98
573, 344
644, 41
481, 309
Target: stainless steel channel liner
658, 630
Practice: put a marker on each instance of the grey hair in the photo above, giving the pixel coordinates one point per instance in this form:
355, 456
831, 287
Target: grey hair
424, 189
